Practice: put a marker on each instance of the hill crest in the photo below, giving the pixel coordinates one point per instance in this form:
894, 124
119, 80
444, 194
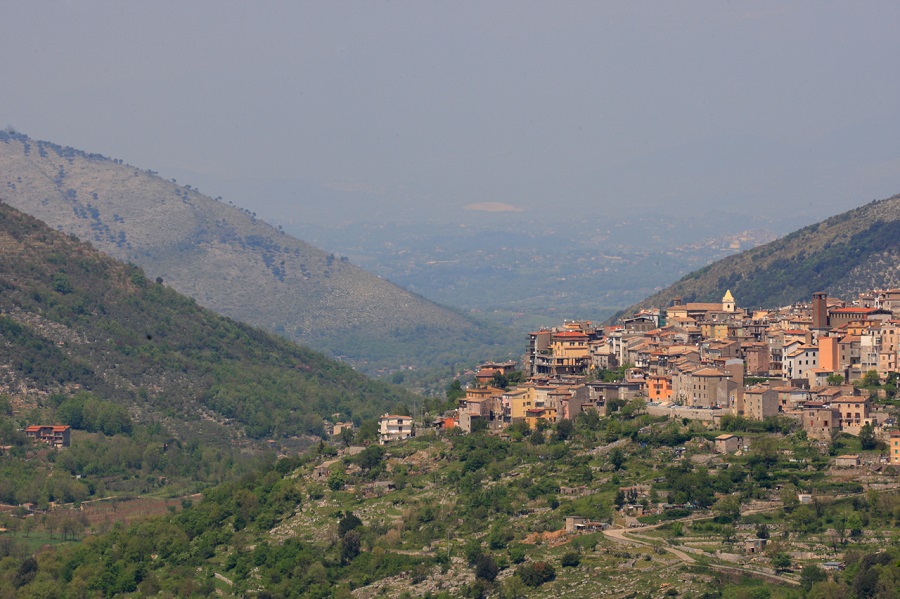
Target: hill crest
232, 262
843, 255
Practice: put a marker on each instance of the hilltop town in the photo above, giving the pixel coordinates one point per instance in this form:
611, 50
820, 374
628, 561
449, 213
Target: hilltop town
701, 449
815, 362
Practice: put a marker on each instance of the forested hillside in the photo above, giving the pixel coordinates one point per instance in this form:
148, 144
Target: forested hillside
846, 254
232, 262
73, 320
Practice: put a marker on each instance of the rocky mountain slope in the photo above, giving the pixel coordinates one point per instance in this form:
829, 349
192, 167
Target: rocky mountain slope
852, 252
232, 262
72, 319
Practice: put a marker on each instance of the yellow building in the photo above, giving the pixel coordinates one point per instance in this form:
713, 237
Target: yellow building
714, 330
534, 415
567, 353
517, 401
895, 448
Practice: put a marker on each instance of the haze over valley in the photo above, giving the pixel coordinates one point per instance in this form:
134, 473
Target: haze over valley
526, 272
462, 300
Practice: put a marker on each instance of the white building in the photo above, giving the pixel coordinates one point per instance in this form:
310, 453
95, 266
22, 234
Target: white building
394, 428
798, 363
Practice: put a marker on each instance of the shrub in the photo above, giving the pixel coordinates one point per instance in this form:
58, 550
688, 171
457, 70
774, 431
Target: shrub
570, 559
516, 554
536, 573
486, 568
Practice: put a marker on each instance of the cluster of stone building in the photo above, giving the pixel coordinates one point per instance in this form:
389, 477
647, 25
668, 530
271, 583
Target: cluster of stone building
695, 360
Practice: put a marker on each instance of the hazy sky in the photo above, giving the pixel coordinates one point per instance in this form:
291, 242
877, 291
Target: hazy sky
409, 109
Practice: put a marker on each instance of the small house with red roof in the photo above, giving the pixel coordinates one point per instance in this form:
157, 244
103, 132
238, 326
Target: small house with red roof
56, 435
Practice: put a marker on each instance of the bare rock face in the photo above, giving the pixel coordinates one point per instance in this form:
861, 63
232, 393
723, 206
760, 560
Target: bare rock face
226, 258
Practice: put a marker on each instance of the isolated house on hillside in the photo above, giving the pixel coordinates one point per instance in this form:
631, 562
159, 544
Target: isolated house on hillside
847, 461
392, 427
728, 443
55, 435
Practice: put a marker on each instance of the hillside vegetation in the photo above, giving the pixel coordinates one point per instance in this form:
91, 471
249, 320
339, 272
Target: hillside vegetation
232, 262
844, 255
452, 516
74, 320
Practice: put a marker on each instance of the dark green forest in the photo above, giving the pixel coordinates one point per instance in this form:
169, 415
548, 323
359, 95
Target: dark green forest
72, 319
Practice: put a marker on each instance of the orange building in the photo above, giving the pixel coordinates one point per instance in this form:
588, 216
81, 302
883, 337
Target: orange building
659, 388
829, 353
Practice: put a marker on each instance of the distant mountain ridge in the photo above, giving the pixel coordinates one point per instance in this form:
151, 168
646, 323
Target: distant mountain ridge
230, 261
844, 255
73, 319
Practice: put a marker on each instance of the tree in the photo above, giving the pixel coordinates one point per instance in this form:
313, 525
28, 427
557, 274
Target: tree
29, 525
834, 380
50, 523
810, 575
564, 429
349, 522
840, 528
536, 573
855, 523
803, 519
368, 431
765, 452
336, 480
500, 381
346, 436
871, 379
781, 561
370, 457
828, 589
499, 537
762, 531
516, 554
350, 546
570, 559
62, 284
486, 568
728, 509
455, 391
633, 407
617, 458
513, 588
867, 438
12, 524
472, 550
729, 534
789, 498
26, 572
69, 526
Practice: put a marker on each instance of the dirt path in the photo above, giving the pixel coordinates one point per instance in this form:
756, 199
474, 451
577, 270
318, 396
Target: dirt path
622, 535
